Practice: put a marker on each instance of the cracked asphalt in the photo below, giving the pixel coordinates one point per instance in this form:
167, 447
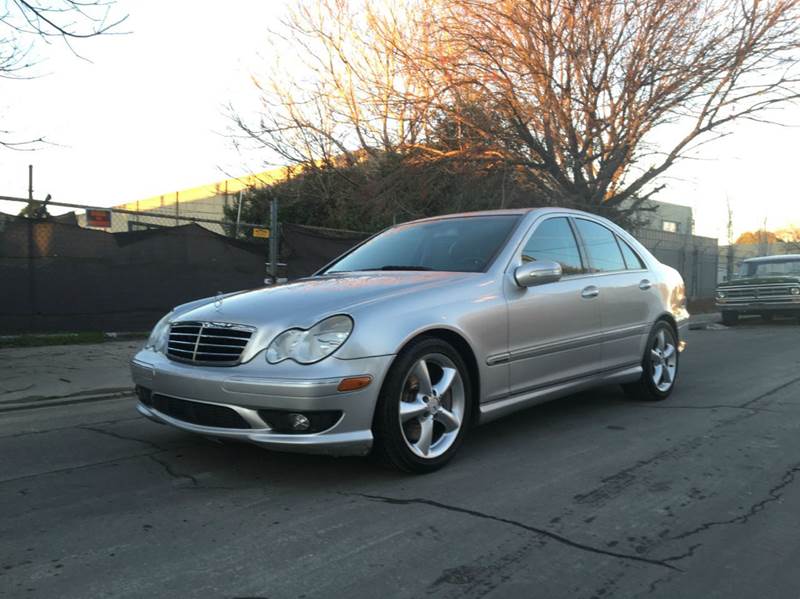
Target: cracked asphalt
589, 496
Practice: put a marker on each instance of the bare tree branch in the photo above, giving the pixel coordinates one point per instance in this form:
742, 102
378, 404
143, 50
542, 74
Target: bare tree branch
570, 94
23, 23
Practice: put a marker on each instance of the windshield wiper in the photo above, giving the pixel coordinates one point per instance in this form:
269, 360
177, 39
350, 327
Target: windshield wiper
402, 267
388, 267
385, 267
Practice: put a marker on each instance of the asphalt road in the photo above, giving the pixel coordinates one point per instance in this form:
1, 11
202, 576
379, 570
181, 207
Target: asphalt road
589, 496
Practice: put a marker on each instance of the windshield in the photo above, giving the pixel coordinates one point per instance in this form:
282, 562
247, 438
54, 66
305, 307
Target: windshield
777, 268
465, 244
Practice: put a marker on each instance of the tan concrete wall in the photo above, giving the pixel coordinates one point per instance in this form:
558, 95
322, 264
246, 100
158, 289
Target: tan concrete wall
205, 202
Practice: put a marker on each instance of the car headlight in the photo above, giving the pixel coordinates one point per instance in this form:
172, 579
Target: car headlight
795, 291
720, 294
158, 337
312, 345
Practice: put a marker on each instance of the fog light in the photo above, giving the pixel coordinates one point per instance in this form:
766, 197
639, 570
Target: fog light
299, 422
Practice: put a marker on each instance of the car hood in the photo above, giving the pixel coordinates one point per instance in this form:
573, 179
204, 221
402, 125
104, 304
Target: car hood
304, 302
758, 281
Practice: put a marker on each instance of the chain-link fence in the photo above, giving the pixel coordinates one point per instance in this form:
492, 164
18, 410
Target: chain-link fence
120, 269
695, 257
307, 249
117, 270
731, 256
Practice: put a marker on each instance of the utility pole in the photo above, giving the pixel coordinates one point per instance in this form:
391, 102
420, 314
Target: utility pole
731, 248
30, 182
273, 239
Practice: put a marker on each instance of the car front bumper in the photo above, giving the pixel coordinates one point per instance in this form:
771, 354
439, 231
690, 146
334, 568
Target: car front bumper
790, 307
255, 386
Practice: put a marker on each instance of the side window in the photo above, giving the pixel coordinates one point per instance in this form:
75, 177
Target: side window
553, 240
601, 245
632, 259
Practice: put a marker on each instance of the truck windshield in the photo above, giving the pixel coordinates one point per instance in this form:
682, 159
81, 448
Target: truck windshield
776, 268
461, 244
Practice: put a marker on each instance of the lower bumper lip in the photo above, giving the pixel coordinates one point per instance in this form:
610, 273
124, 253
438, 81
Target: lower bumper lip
756, 305
330, 443
254, 386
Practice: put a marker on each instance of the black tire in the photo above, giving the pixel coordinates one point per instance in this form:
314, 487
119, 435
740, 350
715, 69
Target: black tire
390, 446
729, 318
645, 389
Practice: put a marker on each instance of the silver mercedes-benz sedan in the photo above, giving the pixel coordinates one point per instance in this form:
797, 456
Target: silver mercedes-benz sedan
404, 343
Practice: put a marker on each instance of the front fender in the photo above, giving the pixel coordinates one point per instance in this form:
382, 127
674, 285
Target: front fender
479, 317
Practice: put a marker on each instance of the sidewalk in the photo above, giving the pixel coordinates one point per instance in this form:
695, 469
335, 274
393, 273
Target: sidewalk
34, 374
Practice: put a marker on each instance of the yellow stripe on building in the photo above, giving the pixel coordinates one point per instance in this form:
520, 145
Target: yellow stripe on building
203, 192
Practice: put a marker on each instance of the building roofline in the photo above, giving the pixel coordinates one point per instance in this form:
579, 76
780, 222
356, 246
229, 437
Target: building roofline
202, 192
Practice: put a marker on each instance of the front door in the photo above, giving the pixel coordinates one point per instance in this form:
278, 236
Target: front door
554, 329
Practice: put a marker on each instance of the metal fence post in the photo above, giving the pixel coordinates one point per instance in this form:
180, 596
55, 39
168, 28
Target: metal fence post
31, 274
238, 217
273, 239
731, 261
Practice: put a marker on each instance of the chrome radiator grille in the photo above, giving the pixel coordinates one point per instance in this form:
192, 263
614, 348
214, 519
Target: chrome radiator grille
772, 293
213, 343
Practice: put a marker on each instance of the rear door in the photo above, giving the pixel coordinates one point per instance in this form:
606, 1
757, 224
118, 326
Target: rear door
626, 292
555, 328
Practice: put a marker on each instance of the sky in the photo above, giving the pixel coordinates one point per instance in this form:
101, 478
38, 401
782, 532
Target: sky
144, 114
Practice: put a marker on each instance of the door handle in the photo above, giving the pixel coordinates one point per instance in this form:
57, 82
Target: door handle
645, 285
590, 292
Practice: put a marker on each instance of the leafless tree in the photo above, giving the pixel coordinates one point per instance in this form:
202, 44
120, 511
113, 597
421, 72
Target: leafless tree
791, 237
589, 100
26, 23
334, 89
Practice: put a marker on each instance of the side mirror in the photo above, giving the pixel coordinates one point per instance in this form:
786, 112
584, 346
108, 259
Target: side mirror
531, 274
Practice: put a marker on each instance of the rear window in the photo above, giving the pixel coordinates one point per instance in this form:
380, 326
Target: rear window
774, 268
632, 259
601, 245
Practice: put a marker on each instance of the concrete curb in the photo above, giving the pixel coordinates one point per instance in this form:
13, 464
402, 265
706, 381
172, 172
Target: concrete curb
35, 403
700, 321
103, 337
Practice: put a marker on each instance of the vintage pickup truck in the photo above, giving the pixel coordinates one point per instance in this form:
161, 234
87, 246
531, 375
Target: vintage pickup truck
767, 286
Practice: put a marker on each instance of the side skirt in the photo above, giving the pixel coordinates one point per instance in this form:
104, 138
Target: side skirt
501, 407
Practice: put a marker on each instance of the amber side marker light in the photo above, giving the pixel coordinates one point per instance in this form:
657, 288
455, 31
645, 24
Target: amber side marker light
354, 383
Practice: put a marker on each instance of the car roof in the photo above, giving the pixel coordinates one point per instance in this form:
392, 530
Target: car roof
776, 257
502, 212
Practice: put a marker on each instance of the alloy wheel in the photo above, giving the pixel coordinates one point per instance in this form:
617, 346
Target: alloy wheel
663, 359
432, 405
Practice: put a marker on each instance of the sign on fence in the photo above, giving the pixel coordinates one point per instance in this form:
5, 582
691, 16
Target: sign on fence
261, 233
98, 218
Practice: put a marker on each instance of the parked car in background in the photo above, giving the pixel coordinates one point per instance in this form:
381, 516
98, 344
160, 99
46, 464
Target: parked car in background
767, 286
419, 333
